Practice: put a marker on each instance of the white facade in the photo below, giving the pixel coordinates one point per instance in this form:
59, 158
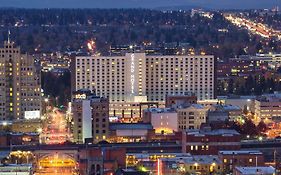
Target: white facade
164, 121
86, 119
137, 77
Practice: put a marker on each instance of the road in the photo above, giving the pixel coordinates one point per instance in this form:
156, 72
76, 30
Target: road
252, 26
55, 129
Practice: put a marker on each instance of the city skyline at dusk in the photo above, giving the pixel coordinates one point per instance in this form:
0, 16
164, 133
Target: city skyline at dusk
139, 87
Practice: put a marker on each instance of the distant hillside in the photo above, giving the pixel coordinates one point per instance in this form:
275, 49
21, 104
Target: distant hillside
210, 4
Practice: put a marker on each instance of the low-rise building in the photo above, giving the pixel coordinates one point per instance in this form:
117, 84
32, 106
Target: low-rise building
132, 111
206, 164
163, 120
217, 116
30, 125
191, 117
19, 169
104, 160
268, 106
175, 101
254, 170
244, 158
243, 102
8, 139
209, 142
130, 132
233, 112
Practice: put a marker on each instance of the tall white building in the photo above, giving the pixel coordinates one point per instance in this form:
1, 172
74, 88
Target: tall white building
137, 77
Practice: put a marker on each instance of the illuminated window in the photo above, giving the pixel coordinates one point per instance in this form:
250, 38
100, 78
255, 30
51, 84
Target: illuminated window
251, 160
224, 160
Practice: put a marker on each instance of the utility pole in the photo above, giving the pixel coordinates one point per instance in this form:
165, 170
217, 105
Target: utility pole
275, 162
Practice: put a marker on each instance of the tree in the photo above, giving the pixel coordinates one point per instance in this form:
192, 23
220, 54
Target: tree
249, 128
262, 127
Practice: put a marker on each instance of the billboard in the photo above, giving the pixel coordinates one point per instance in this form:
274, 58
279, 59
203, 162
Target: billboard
31, 114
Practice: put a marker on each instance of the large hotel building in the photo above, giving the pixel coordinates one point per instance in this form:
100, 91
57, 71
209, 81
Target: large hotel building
20, 88
137, 81
137, 77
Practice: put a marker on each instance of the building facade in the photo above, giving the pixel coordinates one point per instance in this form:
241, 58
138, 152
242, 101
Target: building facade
175, 101
192, 117
195, 164
268, 107
20, 89
209, 142
139, 77
163, 120
90, 117
265, 170
244, 158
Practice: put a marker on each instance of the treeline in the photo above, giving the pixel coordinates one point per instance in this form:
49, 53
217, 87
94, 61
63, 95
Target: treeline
50, 30
253, 85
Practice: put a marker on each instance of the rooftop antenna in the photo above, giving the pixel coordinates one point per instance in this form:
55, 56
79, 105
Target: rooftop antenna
9, 33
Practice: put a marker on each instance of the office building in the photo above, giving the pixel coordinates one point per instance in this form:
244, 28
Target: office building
20, 90
137, 77
90, 117
192, 117
268, 106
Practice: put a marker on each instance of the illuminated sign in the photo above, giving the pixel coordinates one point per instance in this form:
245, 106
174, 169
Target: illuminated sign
31, 114
80, 96
132, 73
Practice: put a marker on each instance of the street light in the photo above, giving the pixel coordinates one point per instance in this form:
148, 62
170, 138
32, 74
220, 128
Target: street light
46, 100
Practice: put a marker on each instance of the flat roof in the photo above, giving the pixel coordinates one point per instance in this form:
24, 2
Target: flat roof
200, 159
131, 126
256, 170
160, 110
212, 132
252, 152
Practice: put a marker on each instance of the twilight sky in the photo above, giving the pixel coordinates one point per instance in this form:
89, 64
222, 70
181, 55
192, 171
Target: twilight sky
213, 4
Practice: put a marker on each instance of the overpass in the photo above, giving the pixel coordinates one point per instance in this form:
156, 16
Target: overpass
267, 147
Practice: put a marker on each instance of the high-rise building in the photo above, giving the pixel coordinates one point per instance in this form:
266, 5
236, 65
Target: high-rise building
90, 116
137, 77
20, 91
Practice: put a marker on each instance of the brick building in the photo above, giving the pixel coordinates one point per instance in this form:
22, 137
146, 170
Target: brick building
208, 142
246, 158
